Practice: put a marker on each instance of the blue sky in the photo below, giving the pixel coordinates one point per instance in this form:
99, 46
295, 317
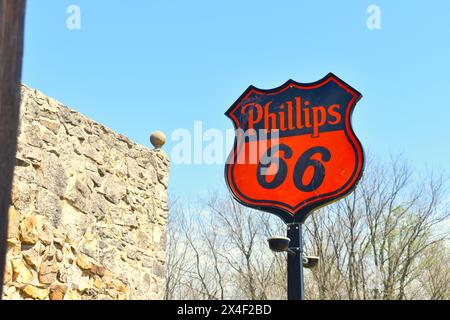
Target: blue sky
139, 66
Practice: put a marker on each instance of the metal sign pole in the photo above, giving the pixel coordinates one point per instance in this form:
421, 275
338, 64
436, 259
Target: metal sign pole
295, 262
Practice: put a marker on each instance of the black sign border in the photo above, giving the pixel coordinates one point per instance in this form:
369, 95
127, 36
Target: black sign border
302, 214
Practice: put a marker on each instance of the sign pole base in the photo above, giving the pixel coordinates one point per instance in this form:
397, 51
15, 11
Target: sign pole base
295, 262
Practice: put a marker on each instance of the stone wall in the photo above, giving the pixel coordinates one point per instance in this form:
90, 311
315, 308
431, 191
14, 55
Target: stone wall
88, 210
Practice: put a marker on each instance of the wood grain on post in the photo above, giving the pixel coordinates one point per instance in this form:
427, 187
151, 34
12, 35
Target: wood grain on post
12, 13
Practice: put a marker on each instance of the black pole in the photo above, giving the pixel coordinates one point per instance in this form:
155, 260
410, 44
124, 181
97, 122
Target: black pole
295, 262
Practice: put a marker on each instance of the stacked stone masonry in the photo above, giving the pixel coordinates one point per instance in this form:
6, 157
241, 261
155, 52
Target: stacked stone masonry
88, 210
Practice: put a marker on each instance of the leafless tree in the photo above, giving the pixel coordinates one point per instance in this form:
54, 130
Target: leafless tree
434, 276
382, 242
218, 251
11, 47
373, 243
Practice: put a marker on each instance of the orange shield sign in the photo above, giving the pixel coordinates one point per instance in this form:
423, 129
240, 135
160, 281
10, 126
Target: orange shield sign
295, 149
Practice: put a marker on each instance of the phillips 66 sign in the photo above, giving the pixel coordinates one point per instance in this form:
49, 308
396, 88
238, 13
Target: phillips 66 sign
295, 149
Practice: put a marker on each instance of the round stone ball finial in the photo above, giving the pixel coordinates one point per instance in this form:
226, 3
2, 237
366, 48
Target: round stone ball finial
157, 139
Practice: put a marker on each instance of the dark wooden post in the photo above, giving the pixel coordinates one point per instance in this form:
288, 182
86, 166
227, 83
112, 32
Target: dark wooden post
12, 14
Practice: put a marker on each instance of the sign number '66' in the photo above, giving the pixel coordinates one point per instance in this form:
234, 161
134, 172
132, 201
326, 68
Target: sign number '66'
295, 149
304, 162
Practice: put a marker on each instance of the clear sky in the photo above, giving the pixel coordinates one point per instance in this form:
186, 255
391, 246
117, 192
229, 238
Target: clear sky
139, 66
